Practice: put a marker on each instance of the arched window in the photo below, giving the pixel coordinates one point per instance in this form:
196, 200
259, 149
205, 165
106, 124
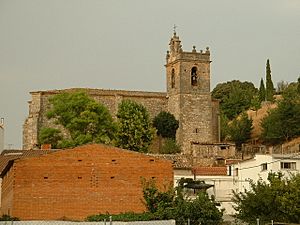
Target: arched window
194, 76
173, 78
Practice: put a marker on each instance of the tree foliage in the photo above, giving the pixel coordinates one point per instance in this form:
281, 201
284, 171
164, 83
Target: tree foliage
239, 130
262, 91
235, 97
224, 126
281, 86
166, 124
168, 205
85, 120
170, 147
282, 123
135, 131
278, 200
48, 135
269, 83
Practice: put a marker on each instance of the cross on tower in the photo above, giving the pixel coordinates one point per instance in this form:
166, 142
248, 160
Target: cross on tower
174, 28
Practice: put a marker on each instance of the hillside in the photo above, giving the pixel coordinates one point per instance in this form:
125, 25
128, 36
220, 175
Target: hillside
257, 117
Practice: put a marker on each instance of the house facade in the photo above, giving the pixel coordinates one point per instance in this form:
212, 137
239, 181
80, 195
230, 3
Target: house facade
76, 183
260, 166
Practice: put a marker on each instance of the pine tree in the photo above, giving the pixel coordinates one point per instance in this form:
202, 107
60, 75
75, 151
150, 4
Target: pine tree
262, 91
269, 83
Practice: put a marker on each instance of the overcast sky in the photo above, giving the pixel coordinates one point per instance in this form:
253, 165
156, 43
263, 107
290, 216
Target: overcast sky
56, 44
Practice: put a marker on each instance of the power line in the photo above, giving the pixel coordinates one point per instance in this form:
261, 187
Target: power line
251, 167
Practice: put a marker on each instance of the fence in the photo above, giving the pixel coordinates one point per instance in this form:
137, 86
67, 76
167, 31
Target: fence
154, 222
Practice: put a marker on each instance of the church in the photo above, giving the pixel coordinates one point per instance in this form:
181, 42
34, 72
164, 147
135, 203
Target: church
187, 97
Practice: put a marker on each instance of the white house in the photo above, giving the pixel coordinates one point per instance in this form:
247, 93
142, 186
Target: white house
260, 166
235, 176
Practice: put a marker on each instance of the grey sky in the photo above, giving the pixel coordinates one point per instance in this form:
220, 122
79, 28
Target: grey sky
55, 44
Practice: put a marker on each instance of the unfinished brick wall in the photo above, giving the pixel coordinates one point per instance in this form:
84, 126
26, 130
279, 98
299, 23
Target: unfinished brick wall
83, 181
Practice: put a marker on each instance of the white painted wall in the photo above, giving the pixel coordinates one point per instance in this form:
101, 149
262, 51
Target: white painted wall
253, 169
241, 174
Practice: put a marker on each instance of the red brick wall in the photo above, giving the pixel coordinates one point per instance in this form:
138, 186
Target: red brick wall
7, 192
83, 181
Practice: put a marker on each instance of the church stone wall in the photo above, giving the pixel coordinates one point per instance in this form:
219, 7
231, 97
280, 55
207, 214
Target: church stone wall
155, 102
188, 98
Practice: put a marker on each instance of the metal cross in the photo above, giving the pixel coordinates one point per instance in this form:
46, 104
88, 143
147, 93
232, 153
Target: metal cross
174, 28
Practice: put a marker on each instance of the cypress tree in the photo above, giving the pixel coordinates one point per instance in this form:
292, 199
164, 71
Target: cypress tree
262, 91
269, 83
298, 85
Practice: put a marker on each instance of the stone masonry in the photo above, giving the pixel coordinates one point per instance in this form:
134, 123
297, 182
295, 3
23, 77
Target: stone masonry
188, 98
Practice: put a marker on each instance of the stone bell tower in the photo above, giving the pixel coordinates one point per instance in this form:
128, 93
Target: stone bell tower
188, 93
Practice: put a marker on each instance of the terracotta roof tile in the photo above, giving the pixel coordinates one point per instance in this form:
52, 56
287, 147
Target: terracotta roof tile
210, 171
232, 161
9, 155
179, 161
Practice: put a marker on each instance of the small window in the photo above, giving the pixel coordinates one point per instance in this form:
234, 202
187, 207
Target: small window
45, 178
288, 165
236, 171
229, 170
113, 160
151, 160
264, 166
79, 160
194, 77
173, 78
112, 177
197, 130
79, 178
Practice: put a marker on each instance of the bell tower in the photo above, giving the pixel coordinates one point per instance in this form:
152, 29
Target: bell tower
188, 93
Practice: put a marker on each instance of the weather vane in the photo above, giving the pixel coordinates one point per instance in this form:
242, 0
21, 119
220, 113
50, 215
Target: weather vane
174, 28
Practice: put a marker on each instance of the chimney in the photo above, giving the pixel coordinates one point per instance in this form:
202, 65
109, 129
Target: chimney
46, 147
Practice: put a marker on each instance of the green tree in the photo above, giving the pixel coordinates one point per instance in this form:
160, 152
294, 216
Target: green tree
201, 210
255, 103
235, 97
298, 86
239, 130
281, 86
262, 91
224, 126
85, 120
278, 200
174, 204
48, 135
282, 123
135, 131
269, 83
166, 124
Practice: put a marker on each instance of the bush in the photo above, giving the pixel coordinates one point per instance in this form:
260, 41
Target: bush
8, 218
170, 147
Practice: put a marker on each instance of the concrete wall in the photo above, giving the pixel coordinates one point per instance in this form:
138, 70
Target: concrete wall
79, 182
